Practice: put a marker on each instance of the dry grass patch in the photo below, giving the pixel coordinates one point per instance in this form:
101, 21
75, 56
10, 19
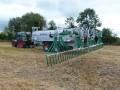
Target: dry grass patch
24, 69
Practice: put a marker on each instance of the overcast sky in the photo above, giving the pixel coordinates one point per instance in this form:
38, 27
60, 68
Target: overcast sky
57, 10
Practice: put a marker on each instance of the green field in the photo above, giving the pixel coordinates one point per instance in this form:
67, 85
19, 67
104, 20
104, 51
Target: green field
24, 69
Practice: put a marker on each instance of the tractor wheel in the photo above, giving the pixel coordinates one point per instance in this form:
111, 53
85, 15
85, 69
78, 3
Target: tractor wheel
14, 44
20, 44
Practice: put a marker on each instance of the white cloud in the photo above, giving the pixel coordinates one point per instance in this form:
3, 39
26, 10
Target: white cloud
14, 10
58, 10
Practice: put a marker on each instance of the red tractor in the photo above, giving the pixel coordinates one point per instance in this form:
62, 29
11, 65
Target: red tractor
22, 40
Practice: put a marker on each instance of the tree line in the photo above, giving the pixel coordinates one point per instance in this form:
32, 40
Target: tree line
88, 19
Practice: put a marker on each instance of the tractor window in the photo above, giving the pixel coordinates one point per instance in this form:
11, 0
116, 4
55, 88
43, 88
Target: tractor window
23, 37
17, 37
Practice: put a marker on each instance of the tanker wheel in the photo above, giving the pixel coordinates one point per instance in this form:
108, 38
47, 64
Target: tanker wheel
45, 47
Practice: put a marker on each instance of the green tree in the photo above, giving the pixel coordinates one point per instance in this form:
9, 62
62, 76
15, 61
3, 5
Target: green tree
88, 19
52, 25
70, 22
26, 22
14, 25
108, 37
106, 34
7, 34
2, 36
32, 19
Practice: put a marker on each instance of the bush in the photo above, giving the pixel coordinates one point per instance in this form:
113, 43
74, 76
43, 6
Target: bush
117, 42
6, 36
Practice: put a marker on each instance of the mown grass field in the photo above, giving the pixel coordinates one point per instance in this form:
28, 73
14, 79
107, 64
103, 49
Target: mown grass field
24, 69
